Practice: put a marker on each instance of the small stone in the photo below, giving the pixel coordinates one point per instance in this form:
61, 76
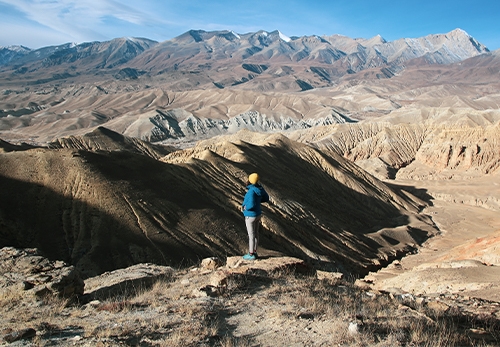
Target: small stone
211, 263
20, 335
199, 293
41, 291
234, 262
404, 297
438, 306
205, 292
331, 276
307, 316
403, 308
94, 303
27, 285
353, 328
362, 284
219, 278
420, 301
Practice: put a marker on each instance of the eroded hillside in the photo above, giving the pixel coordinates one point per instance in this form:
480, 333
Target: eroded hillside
435, 148
104, 209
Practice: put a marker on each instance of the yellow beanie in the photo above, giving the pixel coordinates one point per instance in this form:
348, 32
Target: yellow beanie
253, 178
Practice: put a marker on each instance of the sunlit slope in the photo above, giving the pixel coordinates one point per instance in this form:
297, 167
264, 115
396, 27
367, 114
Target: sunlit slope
439, 146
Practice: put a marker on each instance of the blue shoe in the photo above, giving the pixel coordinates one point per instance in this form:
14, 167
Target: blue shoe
249, 256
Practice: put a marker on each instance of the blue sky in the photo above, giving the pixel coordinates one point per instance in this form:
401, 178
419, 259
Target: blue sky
39, 23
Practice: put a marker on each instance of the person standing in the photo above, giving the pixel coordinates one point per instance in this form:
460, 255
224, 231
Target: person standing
252, 211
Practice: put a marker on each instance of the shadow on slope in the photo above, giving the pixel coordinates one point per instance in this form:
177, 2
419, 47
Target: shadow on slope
9, 147
102, 211
325, 208
106, 210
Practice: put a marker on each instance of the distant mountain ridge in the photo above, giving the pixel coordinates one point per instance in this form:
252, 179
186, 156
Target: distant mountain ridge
203, 84
227, 59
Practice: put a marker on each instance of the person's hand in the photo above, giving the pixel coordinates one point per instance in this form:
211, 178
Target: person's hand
242, 208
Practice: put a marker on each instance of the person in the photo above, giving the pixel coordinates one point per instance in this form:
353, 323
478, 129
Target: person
255, 195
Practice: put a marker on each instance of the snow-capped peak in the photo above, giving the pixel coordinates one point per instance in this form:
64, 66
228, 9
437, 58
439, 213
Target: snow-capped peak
460, 31
284, 37
132, 39
16, 48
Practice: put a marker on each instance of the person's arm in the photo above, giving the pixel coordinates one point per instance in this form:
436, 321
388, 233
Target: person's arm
265, 196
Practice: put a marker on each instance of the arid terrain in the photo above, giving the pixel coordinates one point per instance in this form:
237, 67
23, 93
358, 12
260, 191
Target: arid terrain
382, 163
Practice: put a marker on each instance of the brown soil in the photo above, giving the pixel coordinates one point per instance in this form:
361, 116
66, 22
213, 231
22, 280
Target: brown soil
464, 258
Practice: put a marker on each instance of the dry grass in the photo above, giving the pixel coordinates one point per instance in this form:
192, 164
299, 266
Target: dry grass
279, 310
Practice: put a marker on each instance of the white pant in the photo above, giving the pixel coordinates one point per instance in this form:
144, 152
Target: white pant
253, 224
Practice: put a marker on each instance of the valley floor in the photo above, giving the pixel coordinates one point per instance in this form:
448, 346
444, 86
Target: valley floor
464, 259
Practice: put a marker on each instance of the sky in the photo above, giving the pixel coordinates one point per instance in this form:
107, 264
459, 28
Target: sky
40, 23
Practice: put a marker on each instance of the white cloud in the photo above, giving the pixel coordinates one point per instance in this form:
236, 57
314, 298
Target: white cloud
32, 37
80, 20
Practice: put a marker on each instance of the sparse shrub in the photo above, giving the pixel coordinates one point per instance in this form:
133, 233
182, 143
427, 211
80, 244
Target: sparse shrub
114, 306
169, 314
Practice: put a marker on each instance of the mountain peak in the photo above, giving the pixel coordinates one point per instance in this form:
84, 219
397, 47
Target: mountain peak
459, 32
202, 35
461, 35
278, 34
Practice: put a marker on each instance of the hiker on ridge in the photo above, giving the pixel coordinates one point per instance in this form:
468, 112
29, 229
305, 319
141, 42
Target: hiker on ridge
252, 211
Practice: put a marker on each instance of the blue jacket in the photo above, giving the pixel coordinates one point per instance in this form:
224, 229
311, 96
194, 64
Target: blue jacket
251, 203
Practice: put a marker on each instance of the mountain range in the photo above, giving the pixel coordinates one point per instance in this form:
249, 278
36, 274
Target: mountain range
202, 84
225, 59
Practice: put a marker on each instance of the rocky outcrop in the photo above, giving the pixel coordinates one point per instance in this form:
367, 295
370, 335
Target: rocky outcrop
415, 151
125, 282
461, 151
169, 126
237, 267
214, 277
26, 270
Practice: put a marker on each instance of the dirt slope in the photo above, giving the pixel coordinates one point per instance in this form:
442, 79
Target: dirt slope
110, 209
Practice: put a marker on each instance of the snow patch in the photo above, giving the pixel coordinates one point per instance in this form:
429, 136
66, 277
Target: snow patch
284, 37
461, 31
235, 35
16, 48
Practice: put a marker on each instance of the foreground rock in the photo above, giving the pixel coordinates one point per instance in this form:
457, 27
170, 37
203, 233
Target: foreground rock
126, 281
27, 271
215, 276
270, 304
236, 267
